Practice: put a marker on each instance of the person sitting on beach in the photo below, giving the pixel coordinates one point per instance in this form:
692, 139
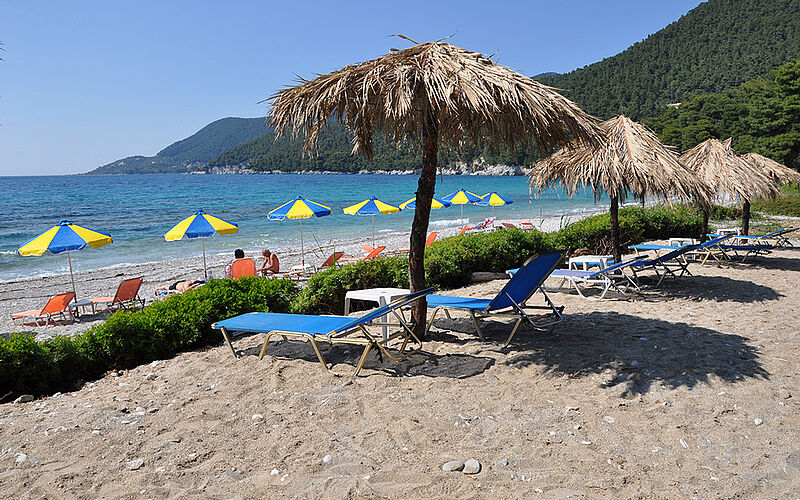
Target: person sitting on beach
271, 264
237, 254
179, 286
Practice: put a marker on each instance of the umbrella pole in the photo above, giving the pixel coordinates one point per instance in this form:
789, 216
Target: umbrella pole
302, 252
205, 270
462, 213
373, 230
71, 277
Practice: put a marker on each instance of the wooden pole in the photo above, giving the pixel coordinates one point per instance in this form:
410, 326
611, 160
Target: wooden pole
615, 236
746, 217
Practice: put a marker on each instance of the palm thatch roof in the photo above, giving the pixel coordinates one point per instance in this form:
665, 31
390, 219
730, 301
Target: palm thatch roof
779, 173
725, 172
467, 95
630, 159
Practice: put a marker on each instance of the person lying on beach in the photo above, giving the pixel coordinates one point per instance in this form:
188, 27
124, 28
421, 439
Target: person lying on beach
271, 264
237, 254
179, 286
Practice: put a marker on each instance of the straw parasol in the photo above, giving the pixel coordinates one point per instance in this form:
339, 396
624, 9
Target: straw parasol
779, 173
631, 159
724, 171
436, 95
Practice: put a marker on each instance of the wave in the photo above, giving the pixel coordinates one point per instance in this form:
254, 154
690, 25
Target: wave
448, 222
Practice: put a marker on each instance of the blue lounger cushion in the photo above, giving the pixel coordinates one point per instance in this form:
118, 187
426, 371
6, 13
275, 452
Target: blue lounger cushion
260, 322
458, 302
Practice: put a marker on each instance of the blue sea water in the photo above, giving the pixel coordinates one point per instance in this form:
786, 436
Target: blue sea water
138, 209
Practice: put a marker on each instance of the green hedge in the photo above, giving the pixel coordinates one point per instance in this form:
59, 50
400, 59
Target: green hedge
788, 204
127, 339
183, 322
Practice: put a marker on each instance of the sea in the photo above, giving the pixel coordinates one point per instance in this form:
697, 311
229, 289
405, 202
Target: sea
138, 209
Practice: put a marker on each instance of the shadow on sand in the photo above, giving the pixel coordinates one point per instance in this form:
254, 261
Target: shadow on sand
716, 288
608, 343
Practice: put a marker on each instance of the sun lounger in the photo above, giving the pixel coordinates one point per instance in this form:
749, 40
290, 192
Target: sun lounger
331, 329
510, 302
607, 278
243, 267
56, 308
775, 238
672, 263
127, 297
374, 253
753, 250
428, 242
710, 249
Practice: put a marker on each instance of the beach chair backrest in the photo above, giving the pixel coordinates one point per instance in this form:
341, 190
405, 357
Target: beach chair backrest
374, 253
431, 239
509, 225
58, 303
526, 280
616, 267
715, 241
243, 267
128, 290
333, 259
368, 248
673, 254
383, 310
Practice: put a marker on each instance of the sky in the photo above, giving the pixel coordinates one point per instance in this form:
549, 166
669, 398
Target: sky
85, 83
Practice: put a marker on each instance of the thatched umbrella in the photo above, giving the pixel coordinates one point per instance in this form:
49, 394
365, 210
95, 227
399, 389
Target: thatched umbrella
779, 173
434, 94
725, 172
630, 160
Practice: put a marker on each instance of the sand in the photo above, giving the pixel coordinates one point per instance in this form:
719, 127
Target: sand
22, 295
689, 391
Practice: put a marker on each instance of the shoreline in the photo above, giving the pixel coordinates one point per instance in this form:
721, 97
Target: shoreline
32, 292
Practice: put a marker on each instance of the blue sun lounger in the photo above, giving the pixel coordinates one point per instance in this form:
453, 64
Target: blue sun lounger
331, 329
608, 278
774, 239
709, 249
672, 263
510, 302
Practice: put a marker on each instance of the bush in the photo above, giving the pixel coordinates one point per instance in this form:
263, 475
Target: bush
789, 204
326, 290
128, 339
450, 262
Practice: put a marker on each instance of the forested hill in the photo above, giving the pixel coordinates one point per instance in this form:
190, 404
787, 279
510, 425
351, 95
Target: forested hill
715, 46
334, 154
194, 151
762, 116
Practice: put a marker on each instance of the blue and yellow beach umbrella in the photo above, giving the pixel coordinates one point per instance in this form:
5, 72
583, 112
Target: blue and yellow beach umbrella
299, 208
462, 197
436, 203
65, 237
373, 207
200, 225
495, 200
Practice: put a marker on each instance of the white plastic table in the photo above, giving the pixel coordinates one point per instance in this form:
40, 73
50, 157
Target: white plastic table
730, 230
679, 242
586, 261
380, 295
84, 303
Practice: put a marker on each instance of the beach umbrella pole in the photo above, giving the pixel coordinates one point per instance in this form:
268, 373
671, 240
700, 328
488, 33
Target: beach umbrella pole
373, 230
302, 251
71, 277
205, 270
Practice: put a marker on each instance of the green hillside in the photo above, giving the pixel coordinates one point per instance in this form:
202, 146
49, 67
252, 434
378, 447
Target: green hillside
194, 151
762, 116
716, 46
333, 154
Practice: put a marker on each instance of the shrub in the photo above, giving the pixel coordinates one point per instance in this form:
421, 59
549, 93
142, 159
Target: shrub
128, 339
326, 290
789, 204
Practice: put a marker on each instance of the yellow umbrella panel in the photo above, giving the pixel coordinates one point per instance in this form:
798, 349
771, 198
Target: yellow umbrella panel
200, 225
373, 207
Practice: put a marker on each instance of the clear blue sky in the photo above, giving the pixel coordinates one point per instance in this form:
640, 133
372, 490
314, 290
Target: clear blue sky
86, 83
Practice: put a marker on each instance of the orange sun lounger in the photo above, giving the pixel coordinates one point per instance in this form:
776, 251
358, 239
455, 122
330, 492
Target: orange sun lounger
127, 297
57, 308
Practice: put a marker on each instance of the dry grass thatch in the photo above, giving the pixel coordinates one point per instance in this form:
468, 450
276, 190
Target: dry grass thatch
465, 94
779, 173
630, 159
724, 171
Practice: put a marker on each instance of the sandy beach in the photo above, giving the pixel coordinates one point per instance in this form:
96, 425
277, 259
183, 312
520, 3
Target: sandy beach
32, 293
688, 391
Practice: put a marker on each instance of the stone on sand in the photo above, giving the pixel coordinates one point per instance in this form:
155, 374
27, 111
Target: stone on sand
25, 398
135, 464
471, 466
453, 466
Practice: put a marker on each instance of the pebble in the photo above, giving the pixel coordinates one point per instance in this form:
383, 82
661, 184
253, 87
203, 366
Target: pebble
161, 469
21, 457
152, 410
683, 443
504, 462
25, 398
453, 466
174, 440
274, 472
758, 421
643, 339
327, 459
155, 363
96, 432
135, 464
586, 442
471, 466
634, 363
609, 419
576, 426
151, 376
257, 417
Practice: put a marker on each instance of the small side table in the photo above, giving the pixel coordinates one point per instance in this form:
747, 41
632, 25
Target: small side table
679, 242
729, 230
380, 295
80, 304
586, 261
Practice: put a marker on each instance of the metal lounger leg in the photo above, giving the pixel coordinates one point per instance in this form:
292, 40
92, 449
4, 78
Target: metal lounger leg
228, 340
475, 322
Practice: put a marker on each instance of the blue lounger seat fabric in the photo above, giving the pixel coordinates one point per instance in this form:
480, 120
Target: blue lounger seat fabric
672, 263
607, 278
510, 302
333, 329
